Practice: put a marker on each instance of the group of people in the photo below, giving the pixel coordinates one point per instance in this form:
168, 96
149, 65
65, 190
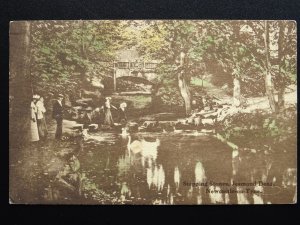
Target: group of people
103, 115
108, 118
38, 124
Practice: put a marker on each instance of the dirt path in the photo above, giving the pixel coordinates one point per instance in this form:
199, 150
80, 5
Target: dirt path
36, 165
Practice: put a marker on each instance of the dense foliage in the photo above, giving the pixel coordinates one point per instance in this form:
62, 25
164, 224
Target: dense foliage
251, 130
244, 58
66, 54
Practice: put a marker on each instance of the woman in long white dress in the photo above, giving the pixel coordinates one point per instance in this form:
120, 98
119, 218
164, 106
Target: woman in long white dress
108, 120
41, 122
34, 133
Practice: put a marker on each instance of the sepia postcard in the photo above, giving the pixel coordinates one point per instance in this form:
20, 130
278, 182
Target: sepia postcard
153, 112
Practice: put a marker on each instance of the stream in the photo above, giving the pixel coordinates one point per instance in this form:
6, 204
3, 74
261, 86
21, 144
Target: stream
185, 168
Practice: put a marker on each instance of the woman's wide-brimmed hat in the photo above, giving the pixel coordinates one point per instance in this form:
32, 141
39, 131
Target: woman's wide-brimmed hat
35, 96
60, 95
108, 98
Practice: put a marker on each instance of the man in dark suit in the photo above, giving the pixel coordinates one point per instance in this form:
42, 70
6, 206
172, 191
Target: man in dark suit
58, 115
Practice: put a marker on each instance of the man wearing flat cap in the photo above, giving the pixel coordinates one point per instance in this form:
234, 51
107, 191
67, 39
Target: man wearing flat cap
57, 114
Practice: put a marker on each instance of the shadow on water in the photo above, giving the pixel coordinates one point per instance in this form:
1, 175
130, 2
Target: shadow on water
154, 168
181, 169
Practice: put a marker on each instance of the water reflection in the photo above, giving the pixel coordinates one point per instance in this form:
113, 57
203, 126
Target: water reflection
257, 196
176, 177
125, 191
199, 199
152, 168
215, 195
124, 164
289, 177
156, 177
199, 173
242, 196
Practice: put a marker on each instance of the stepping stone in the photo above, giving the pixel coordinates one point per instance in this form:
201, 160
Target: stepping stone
78, 127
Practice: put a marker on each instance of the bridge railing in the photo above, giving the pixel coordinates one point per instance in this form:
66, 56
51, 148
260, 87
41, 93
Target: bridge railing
135, 65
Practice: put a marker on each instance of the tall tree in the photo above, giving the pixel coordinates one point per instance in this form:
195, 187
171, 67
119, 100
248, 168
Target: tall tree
231, 51
268, 76
172, 43
20, 82
183, 82
286, 58
275, 53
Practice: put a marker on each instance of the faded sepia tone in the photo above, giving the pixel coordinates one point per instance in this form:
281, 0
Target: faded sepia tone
153, 112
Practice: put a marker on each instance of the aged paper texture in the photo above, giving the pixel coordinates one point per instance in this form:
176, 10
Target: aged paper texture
168, 112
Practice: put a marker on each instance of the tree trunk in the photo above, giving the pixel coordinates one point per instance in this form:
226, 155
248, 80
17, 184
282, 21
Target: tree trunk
281, 100
269, 91
183, 86
154, 97
20, 85
236, 92
281, 58
268, 75
185, 93
85, 80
